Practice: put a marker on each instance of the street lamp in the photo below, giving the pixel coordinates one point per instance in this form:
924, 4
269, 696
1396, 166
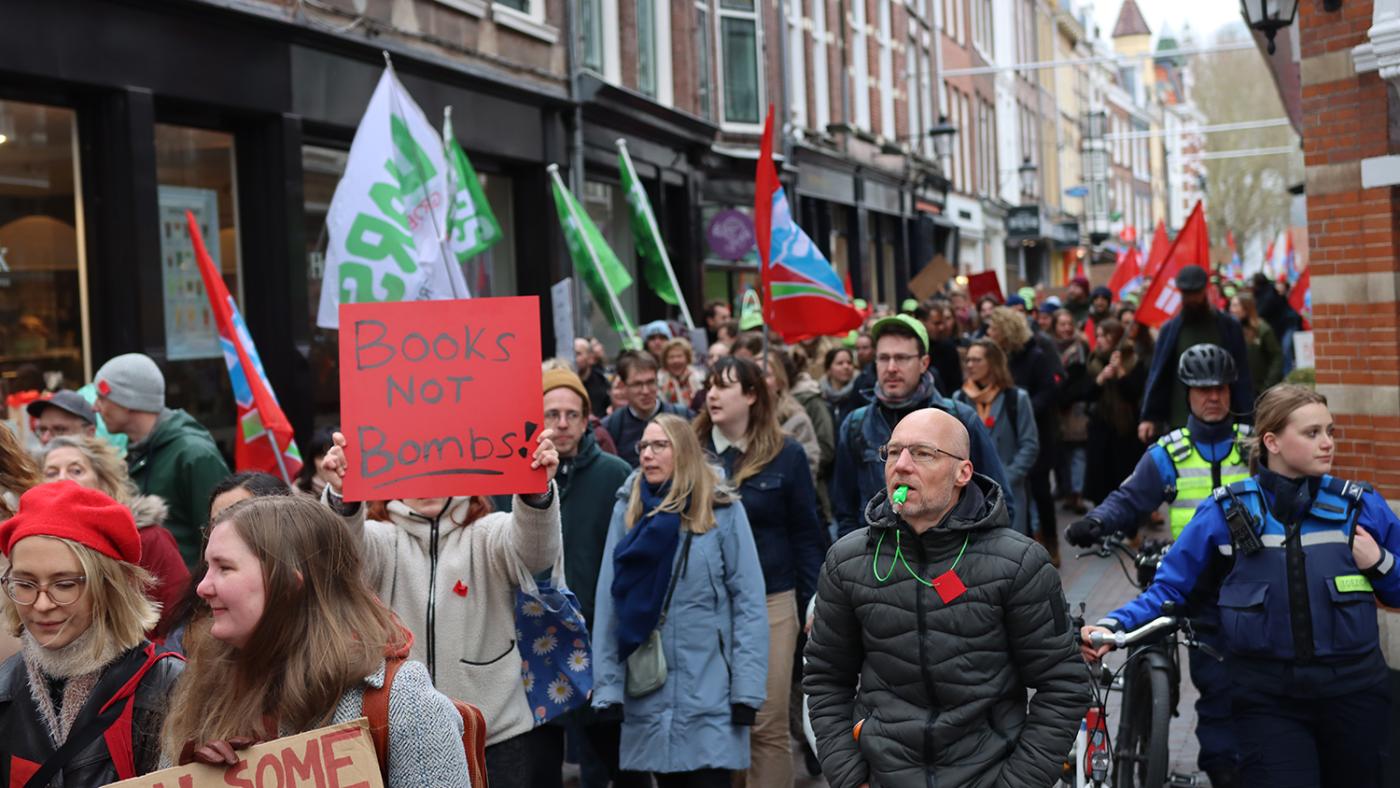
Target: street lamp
1269, 16
942, 135
1028, 172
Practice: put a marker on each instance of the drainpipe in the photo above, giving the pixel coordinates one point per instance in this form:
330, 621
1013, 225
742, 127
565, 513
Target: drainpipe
575, 145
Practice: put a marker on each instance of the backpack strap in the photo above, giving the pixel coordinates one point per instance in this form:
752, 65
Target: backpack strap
1352, 493
1166, 470
112, 723
375, 707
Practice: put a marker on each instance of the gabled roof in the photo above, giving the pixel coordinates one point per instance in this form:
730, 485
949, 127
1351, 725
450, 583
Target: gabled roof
1130, 21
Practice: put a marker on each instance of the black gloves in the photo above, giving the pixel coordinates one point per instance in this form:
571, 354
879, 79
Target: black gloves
739, 714
609, 713
1084, 532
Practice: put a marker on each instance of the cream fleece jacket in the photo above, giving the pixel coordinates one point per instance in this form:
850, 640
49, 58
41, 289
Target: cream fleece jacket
472, 597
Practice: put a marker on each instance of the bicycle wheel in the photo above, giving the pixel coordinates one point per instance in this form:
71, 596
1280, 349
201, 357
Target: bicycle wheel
1142, 736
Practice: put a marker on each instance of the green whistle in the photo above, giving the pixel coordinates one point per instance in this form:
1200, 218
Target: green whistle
901, 493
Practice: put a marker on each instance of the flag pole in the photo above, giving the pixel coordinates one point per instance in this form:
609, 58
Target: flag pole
656, 233
631, 335
277, 452
448, 258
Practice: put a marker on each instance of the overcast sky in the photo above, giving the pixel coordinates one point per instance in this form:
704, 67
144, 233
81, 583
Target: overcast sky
1205, 16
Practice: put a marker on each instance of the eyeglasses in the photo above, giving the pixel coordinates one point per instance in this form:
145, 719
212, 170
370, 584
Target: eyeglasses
640, 385
566, 416
656, 446
921, 453
64, 591
898, 359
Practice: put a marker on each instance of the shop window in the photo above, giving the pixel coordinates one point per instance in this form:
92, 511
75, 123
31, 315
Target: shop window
489, 273
195, 172
42, 314
740, 63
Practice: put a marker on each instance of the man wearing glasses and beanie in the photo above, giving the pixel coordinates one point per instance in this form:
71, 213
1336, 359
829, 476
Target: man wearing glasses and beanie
903, 385
933, 622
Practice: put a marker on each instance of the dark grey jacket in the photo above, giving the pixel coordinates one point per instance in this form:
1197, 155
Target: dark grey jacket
942, 687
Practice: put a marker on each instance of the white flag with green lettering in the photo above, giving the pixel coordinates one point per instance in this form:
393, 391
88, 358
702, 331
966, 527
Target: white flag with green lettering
389, 215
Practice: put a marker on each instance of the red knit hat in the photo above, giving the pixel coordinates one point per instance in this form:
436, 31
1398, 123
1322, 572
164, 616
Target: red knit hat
68, 510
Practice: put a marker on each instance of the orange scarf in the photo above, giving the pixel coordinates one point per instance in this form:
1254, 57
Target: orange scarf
982, 398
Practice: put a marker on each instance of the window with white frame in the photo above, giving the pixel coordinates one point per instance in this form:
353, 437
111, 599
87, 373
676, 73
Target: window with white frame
913, 99
591, 30
860, 62
821, 90
797, 63
704, 63
959, 22
926, 90
968, 142
886, 41
741, 83
654, 49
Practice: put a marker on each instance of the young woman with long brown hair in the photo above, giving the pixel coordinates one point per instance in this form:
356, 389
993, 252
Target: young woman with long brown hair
740, 426
294, 640
1297, 559
1005, 409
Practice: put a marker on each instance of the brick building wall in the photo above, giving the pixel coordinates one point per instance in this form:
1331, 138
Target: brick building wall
1353, 234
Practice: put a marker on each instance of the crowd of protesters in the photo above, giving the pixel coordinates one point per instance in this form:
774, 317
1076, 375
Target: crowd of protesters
694, 498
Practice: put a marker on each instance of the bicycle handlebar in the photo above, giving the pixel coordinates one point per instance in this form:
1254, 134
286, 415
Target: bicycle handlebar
1125, 639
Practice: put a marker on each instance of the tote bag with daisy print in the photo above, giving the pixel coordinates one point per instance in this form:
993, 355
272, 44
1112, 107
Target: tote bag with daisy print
556, 658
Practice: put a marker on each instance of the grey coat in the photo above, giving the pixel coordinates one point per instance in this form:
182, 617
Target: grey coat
1018, 445
942, 688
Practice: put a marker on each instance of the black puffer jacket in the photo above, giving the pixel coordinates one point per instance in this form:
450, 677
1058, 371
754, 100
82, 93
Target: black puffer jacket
942, 687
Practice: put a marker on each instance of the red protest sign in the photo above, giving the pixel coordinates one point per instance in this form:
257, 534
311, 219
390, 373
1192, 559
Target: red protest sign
440, 397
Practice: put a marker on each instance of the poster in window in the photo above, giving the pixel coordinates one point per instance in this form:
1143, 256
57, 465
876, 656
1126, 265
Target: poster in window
189, 324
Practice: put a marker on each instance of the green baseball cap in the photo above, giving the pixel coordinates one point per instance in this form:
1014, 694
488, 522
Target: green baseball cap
906, 321
908, 305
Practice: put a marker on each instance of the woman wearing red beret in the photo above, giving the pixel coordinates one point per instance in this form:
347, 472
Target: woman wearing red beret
84, 701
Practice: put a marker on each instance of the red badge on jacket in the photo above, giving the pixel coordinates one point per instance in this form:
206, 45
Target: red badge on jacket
949, 586
460, 589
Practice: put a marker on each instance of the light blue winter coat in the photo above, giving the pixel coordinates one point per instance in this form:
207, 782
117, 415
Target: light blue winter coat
716, 643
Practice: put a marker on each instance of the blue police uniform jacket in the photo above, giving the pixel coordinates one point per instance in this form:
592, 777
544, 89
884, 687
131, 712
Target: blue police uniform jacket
1300, 597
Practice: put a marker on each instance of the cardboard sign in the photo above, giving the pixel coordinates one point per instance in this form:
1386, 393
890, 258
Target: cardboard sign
985, 283
440, 398
931, 278
338, 756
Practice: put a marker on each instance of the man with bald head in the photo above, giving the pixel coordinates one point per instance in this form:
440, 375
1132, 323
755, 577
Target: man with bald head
932, 624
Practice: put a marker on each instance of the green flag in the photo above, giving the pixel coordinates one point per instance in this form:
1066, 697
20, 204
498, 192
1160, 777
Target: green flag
655, 263
595, 261
471, 227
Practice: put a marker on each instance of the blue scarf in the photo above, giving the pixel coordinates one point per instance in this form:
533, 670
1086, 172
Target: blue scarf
642, 562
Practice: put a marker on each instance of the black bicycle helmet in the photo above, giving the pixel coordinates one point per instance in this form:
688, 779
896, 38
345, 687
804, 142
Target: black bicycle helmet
1206, 365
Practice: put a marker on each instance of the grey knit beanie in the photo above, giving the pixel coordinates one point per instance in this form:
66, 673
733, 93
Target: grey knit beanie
133, 381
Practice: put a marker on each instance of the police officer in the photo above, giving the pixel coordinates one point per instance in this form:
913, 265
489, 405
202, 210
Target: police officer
1303, 557
1181, 469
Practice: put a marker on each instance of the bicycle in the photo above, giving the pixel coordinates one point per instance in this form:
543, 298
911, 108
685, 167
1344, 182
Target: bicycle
1150, 686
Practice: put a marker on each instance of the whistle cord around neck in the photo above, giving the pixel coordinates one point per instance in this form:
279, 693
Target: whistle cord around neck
899, 556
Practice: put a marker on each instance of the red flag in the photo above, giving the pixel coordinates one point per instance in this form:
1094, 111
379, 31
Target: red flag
260, 418
802, 295
1300, 298
1162, 301
985, 283
1158, 253
1091, 333
1127, 274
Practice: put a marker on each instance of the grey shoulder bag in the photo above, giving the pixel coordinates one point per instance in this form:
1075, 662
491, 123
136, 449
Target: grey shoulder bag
646, 667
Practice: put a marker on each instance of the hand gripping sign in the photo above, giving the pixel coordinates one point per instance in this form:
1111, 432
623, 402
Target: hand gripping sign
440, 398
339, 756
